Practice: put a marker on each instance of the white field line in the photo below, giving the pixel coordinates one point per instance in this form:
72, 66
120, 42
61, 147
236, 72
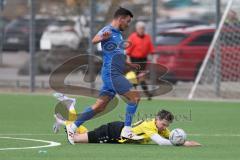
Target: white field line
31, 134
49, 144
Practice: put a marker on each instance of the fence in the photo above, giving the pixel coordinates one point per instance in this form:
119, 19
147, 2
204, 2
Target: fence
63, 29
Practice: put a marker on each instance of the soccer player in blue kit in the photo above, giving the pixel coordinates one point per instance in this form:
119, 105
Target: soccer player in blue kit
114, 82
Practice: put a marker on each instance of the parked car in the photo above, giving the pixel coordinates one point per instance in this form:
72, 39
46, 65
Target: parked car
164, 25
16, 34
60, 33
182, 51
179, 3
64, 33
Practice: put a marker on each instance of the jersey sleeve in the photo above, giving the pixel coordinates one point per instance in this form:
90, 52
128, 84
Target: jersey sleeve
103, 30
160, 140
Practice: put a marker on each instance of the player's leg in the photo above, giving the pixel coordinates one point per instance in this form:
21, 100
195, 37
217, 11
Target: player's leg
96, 108
132, 99
81, 138
98, 135
59, 121
87, 114
70, 103
123, 87
145, 89
61, 97
142, 80
107, 133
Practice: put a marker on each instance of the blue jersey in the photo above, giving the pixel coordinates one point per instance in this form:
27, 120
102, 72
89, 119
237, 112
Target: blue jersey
114, 62
113, 53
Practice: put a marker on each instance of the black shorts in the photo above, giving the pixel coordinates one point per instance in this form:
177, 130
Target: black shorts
141, 61
108, 133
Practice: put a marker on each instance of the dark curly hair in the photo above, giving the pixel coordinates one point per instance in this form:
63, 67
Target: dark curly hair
122, 12
164, 114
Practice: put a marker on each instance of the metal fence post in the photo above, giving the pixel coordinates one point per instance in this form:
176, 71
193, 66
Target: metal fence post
91, 47
154, 17
1, 32
217, 59
32, 44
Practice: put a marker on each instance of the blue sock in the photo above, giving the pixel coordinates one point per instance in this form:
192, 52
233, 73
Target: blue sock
130, 111
87, 114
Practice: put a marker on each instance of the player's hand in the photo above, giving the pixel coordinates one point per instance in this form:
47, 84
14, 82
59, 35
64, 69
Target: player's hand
135, 66
191, 144
106, 35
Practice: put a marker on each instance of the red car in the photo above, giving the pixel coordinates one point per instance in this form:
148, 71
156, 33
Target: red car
182, 51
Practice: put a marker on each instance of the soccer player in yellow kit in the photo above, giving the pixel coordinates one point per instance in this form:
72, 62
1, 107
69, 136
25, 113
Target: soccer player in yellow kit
150, 130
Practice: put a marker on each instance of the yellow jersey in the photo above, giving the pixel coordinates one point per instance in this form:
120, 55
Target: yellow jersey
146, 128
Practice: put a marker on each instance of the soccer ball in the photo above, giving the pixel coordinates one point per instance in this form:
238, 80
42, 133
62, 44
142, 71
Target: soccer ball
177, 137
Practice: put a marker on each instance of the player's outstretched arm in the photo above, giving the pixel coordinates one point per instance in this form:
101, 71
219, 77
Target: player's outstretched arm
160, 140
99, 38
163, 141
191, 144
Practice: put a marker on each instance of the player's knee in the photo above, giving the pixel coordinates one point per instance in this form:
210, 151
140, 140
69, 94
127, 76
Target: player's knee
135, 99
99, 107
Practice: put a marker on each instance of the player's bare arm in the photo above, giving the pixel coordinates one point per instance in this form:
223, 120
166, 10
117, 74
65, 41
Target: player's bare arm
99, 38
163, 141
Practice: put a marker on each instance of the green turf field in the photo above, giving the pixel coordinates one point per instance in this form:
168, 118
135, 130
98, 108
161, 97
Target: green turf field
214, 124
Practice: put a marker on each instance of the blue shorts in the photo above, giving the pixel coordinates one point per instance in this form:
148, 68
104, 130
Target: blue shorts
115, 85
